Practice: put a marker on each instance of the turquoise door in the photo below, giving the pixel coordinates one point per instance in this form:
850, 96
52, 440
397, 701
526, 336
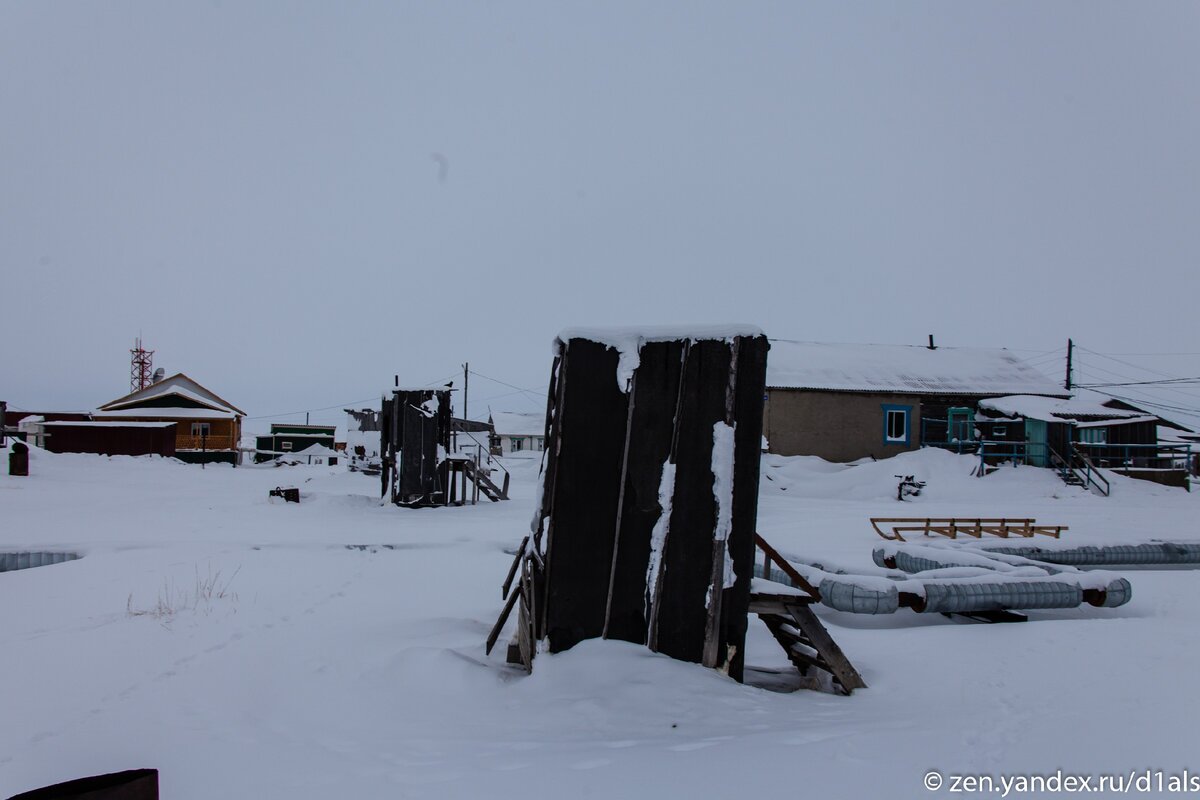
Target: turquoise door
959, 427
1035, 448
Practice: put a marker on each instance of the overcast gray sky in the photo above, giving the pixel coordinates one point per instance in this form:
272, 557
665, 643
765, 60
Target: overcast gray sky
294, 201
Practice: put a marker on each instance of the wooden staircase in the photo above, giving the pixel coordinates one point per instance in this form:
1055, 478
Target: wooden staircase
794, 625
1077, 469
486, 485
805, 640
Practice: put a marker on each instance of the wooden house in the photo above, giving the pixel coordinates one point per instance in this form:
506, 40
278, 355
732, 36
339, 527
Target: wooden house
207, 427
515, 432
1109, 433
844, 402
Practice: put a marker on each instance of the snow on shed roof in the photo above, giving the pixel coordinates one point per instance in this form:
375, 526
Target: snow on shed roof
1082, 405
316, 450
164, 413
621, 338
628, 341
903, 369
107, 424
514, 423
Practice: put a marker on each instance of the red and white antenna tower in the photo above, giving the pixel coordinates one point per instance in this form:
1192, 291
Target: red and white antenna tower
141, 366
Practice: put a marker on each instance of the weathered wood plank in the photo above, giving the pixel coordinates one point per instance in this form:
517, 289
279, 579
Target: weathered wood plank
651, 427
589, 436
824, 644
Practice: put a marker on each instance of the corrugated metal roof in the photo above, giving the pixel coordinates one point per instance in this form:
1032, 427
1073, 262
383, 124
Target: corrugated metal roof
512, 423
903, 369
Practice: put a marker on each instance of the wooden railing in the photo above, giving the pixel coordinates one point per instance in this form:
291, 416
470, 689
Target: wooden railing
771, 557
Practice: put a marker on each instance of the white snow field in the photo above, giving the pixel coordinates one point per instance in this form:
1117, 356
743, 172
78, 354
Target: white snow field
334, 649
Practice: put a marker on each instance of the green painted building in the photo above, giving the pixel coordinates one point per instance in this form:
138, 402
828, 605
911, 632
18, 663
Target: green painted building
286, 440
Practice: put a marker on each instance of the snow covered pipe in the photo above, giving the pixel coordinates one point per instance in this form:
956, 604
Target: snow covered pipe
1151, 553
14, 561
843, 593
1023, 594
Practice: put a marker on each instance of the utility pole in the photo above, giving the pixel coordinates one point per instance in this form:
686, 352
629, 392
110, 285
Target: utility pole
466, 384
1070, 348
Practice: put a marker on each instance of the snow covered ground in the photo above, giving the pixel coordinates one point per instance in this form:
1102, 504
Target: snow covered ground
335, 648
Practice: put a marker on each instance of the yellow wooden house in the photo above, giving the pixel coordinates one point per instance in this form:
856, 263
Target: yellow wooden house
207, 427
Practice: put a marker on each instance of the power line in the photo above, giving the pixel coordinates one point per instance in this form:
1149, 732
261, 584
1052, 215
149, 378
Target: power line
1181, 409
1161, 382
1165, 388
1129, 364
308, 410
505, 383
1156, 354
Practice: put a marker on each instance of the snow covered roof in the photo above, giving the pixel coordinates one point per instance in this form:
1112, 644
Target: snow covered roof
316, 450
1169, 434
903, 369
514, 423
107, 424
1082, 405
165, 413
1108, 423
179, 384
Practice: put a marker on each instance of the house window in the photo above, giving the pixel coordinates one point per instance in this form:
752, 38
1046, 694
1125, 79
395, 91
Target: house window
999, 432
201, 429
895, 424
541, 443
1093, 435
285, 445
515, 443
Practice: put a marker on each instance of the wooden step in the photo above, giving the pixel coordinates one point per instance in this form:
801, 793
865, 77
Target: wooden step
804, 639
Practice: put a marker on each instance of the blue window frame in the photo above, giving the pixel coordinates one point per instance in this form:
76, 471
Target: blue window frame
897, 424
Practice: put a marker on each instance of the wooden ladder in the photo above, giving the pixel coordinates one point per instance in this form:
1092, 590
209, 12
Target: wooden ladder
489, 489
805, 640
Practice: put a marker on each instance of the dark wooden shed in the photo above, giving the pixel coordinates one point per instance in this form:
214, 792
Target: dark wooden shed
650, 490
111, 438
414, 440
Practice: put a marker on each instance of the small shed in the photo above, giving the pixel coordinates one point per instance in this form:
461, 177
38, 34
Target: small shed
110, 438
649, 494
415, 440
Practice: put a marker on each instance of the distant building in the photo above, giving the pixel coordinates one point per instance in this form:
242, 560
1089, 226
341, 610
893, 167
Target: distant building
108, 438
844, 402
293, 440
514, 432
1110, 433
207, 428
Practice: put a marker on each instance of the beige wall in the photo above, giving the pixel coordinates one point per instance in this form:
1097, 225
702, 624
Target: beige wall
837, 426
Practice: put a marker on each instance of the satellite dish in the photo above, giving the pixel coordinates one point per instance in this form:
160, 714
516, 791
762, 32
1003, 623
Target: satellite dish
159, 374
